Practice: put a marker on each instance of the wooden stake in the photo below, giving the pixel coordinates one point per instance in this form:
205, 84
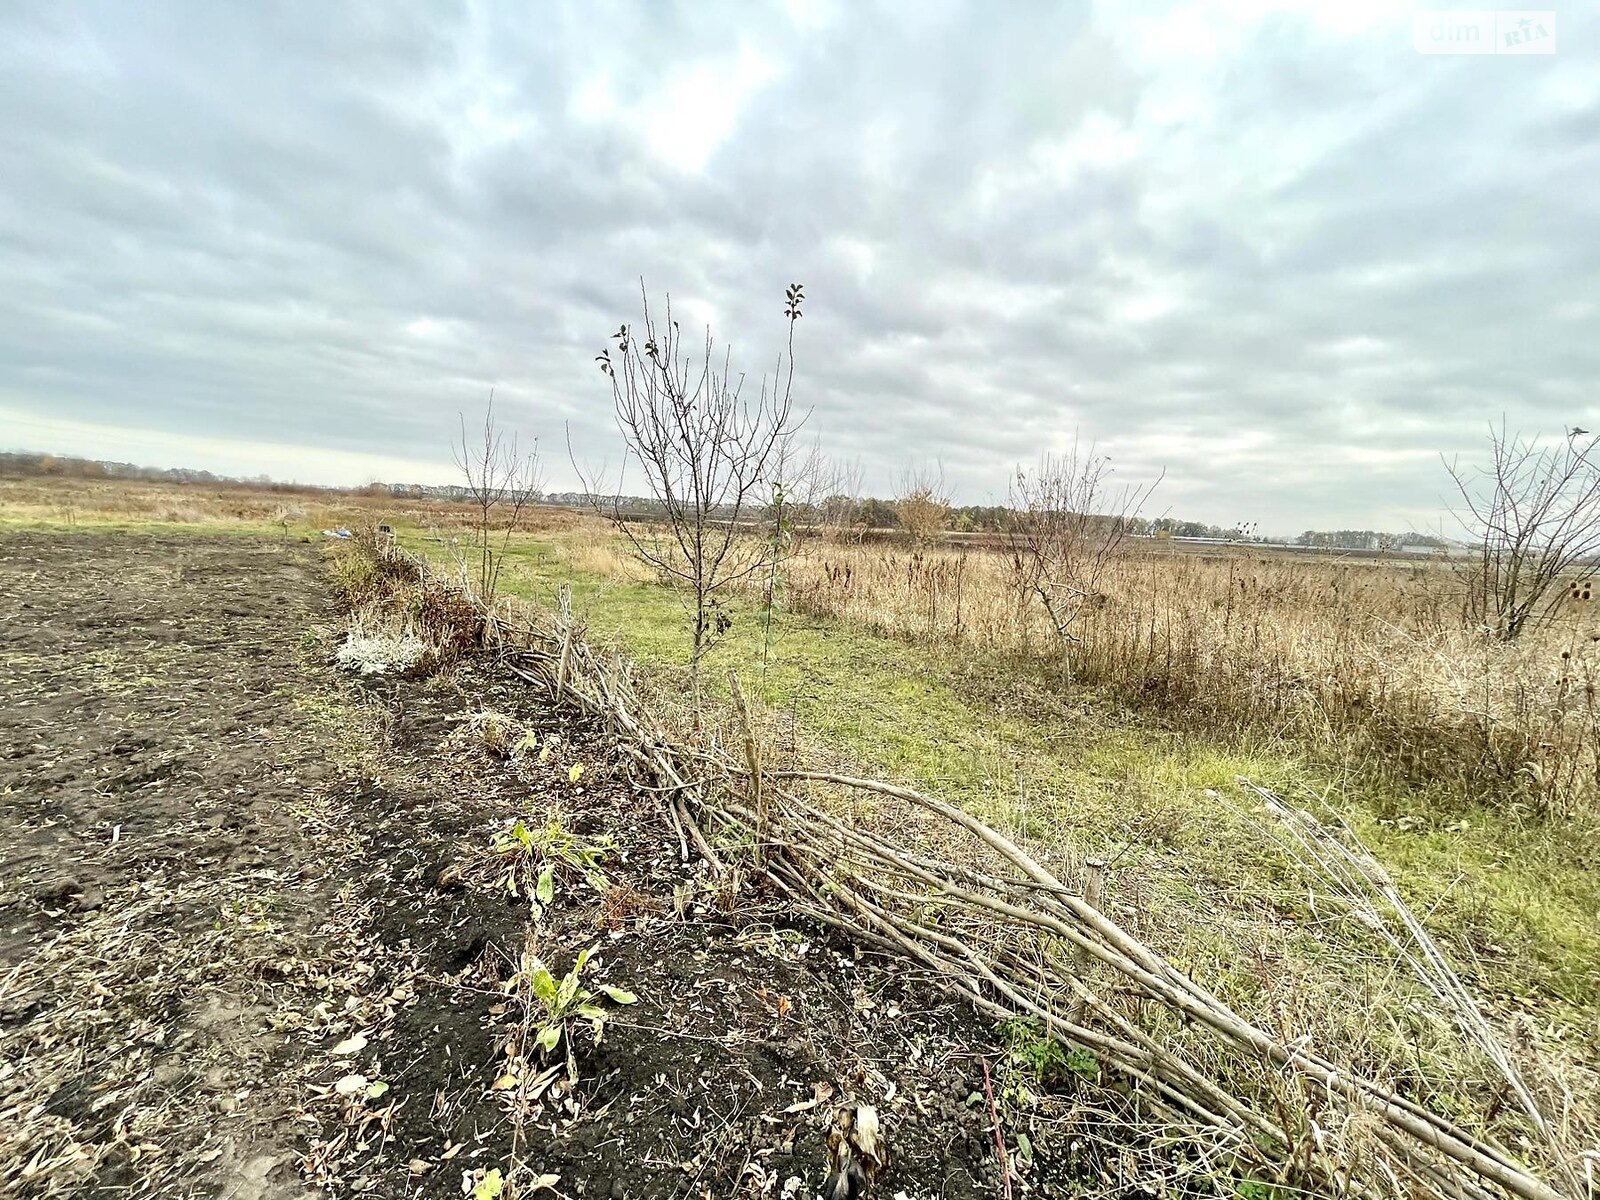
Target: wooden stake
564, 603
752, 757
1094, 890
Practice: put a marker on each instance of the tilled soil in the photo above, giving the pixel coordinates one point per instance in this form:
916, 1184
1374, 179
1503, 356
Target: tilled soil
254, 941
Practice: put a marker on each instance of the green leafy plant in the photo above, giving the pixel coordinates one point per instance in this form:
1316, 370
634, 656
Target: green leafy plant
1083, 1064
558, 1004
1043, 1058
1255, 1189
533, 860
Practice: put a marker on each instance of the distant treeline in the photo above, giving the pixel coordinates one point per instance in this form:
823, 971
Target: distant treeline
63, 466
836, 510
1368, 539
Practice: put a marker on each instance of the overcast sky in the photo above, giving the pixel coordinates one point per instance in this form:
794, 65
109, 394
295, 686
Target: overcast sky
1269, 248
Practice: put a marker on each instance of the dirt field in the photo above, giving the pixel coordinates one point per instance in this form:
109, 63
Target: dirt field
228, 890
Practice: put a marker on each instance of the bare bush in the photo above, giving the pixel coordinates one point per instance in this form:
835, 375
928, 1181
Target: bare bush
803, 475
1069, 524
1531, 516
711, 458
922, 504
501, 483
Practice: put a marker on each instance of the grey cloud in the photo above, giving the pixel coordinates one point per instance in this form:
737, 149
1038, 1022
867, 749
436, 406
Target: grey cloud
1287, 268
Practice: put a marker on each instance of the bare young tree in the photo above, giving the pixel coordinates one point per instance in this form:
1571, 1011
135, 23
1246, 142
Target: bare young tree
806, 478
1069, 522
922, 504
839, 506
501, 483
1531, 517
800, 479
711, 458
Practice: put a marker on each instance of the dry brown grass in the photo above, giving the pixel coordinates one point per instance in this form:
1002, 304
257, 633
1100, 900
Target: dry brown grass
1368, 661
1367, 658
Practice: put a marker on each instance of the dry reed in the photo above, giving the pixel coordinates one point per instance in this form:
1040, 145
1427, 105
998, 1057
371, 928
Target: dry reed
1368, 659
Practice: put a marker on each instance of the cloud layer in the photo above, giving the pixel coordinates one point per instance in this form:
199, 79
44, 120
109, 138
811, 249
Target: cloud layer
1268, 247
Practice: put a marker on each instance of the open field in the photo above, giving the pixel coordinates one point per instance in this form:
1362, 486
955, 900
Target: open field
109, 504
1309, 678
1365, 661
1340, 678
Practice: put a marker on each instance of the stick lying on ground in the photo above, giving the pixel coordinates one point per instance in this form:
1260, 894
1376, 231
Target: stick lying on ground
926, 881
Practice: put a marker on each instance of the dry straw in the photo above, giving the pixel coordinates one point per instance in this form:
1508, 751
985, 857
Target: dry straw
1371, 659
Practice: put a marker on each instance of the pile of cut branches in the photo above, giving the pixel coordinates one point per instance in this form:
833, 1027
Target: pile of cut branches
912, 876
